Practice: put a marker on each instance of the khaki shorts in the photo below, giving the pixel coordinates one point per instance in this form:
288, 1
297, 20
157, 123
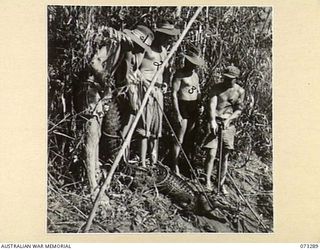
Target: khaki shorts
227, 139
150, 123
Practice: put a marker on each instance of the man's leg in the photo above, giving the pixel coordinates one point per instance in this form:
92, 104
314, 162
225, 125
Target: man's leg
154, 150
228, 141
211, 155
143, 150
156, 126
224, 170
176, 147
190, 139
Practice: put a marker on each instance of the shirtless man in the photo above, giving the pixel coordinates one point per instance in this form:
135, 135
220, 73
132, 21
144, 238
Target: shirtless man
225, 105
150, 124
186, 96
128, 74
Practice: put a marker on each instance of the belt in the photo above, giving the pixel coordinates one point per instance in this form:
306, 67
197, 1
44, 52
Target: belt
157, 84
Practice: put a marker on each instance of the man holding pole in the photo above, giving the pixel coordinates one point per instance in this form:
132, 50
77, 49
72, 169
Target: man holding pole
150, 125
128, 74
225, 105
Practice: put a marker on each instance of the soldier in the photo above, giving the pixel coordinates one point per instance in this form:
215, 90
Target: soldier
128, 74
186, 96
225, 105
87, 94
150, 124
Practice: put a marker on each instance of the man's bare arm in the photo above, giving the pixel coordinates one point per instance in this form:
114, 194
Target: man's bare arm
212, 112
131, 81
200, 106
198, 88
175, 89
128, 58
166, 79
238, 108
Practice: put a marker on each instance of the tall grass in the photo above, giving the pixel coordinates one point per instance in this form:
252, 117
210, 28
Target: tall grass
226, 35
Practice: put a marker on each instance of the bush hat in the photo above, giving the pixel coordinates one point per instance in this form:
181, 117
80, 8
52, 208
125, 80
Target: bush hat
193, 56
167, 28
232, 72
141, 35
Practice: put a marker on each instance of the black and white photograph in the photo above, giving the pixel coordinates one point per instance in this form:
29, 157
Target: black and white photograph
160, 119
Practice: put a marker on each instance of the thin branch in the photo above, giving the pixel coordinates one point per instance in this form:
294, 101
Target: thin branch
63, 120
245, 200
64, 135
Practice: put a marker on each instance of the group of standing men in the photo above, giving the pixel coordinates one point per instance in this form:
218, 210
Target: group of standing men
140, 62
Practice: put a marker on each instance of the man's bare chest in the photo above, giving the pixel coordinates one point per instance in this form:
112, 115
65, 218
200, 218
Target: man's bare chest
229, 96
153, 59
189, 82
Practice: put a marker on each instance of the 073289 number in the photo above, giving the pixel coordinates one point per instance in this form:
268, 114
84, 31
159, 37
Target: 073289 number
309, 245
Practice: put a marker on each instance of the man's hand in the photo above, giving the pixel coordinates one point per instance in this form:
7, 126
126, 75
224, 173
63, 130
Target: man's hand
164, 88
214, 126
201, 110
226, 123
180, 119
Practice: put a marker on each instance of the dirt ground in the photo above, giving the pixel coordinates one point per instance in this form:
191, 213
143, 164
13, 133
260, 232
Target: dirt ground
142, 208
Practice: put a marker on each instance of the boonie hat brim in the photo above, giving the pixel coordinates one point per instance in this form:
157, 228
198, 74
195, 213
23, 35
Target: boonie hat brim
136, 39
228, 75
195, 60
170, 32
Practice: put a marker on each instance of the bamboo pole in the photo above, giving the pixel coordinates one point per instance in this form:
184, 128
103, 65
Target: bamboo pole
107, 182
